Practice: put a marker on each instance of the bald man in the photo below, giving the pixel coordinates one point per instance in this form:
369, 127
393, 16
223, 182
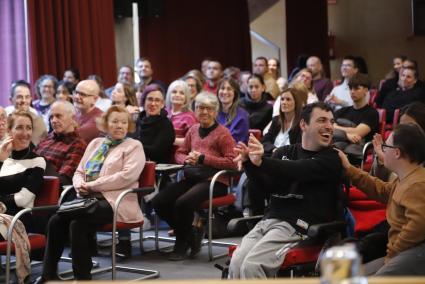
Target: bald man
322, 85
85, 96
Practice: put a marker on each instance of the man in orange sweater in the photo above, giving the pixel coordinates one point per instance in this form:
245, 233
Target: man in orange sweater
404, 153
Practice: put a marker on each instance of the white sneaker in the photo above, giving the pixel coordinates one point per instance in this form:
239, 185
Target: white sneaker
146, 224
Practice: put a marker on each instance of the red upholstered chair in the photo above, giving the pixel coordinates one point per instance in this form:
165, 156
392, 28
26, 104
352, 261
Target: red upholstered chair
373, 95
146, 186
367, 213
46, 200
382, 121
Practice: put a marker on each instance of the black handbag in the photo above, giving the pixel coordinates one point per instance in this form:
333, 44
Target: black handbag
80, 206
198, 173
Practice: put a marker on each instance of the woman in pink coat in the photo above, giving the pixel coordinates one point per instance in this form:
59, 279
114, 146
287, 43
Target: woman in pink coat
110, 165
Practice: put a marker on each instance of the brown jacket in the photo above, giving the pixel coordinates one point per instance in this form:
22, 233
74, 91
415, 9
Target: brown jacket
405, 206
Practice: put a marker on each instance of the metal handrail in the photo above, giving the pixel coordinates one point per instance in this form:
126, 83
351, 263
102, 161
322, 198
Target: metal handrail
267, 42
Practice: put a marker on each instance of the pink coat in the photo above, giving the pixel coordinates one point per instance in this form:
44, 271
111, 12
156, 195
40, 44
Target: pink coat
120, 171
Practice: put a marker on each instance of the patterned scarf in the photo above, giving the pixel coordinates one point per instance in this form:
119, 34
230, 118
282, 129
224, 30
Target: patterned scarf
94, 165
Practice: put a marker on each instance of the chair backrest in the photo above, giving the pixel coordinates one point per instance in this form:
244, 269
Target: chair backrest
49, 193
396, 117
382, 120
147, 177
373, 95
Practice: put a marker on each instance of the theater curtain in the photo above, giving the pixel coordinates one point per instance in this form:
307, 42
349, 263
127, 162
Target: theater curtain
190, 30
307, 30
77, 33
12, 46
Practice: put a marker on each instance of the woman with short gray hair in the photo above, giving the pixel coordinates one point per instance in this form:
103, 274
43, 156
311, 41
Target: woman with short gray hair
207, 148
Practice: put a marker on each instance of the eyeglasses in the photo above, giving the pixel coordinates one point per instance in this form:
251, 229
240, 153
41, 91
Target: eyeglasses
383, 146
81, 94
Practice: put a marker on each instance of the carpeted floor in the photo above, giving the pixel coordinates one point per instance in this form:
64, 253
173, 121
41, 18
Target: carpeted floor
197, 268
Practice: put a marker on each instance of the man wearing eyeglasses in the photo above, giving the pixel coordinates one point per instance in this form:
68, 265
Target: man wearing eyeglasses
85, 96
404, 154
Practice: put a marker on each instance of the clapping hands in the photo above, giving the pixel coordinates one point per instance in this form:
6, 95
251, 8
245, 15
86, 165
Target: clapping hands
254, 151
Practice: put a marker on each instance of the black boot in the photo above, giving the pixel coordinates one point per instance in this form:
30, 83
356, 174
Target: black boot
179, 251
196, 240
124, 249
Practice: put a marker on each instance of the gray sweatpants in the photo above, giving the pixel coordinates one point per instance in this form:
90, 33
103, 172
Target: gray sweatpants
263, 250
408, 262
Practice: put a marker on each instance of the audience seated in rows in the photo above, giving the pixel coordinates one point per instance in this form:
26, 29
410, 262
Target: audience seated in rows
260, 68
230, 114
154, 129
178, 104
404, 153
207, 148
63, 147
304, 182
323, 86
20, 97
340, 95
21, 170
356, 124
109, 166
255, 103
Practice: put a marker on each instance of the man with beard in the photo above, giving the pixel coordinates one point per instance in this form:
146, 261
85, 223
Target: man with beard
304, 183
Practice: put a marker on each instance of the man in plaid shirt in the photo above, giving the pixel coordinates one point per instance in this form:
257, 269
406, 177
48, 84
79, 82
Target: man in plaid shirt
63, 147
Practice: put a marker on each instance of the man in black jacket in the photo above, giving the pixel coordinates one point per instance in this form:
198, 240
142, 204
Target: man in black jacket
304, 183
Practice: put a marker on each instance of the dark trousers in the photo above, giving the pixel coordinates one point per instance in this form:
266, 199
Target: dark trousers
177, 203
58, 229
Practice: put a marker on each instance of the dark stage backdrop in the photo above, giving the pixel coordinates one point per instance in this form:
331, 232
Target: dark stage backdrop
78, 33
187, 31
307, 29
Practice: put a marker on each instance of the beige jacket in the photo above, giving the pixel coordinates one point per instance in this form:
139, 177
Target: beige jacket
120, 171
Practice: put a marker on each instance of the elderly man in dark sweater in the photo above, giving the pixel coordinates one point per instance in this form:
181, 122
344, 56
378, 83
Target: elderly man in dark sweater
304, 182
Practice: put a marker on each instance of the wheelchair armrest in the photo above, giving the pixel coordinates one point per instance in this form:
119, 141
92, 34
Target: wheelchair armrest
242, 225
326, 229
45, 208
142, 191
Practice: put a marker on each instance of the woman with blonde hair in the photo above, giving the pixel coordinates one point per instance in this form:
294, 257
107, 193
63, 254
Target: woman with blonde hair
178, 103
